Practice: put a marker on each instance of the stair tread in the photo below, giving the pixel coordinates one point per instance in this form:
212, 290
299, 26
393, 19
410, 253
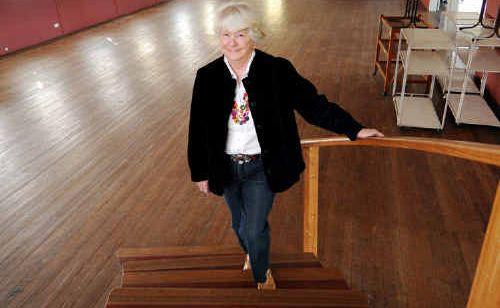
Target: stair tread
217, 262
186, 297
124, 254
235, 278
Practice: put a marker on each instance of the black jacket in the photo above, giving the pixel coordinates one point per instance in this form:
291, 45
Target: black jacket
275, 90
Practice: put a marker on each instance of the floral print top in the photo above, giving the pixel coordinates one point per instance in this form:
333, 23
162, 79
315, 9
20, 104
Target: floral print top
241, 136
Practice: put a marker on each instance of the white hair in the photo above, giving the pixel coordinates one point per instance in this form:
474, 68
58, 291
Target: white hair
236, 16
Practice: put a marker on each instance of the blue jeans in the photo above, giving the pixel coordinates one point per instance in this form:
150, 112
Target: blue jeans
250, 200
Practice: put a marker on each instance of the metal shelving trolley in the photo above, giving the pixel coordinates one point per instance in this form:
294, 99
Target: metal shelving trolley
424, 52
480, 53
451, 23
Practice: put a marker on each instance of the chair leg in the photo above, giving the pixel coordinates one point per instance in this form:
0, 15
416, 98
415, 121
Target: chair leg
377, 54
390, 55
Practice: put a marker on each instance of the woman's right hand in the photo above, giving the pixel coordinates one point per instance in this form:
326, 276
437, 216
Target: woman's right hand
203, 186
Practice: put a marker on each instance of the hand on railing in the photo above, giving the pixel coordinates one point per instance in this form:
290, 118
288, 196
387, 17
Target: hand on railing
203, 186
369, 132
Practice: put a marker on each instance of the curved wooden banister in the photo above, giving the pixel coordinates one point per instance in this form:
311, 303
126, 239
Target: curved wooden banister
485, 290
480, 152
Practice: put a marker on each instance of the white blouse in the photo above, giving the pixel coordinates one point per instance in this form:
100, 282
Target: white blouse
241, 136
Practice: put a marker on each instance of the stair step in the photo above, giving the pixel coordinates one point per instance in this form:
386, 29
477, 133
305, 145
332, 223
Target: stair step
318, 278
217, 262
125, 254
180, 297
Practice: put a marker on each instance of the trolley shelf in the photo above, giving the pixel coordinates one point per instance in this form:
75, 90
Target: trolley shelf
425, 62
417, 112
475, 110
427, 39
457, 83
483, 59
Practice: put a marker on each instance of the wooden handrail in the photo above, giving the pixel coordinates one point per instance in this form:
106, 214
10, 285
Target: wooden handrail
480, 152
485, 291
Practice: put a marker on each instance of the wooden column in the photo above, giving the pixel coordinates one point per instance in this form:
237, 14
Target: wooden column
485, 290
311, 200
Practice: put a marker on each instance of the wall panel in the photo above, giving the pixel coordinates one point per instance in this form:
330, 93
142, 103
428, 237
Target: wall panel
26, 22
78, 14
129, 6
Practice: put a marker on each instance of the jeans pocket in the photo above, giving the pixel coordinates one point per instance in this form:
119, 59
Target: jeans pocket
255, 172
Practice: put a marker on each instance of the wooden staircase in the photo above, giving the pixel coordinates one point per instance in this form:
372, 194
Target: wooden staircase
205, 276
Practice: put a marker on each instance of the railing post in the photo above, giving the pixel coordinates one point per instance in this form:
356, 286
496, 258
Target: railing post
485, 290
311, 200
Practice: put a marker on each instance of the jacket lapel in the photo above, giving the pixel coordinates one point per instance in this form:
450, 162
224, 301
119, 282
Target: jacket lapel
252, 86
228, 88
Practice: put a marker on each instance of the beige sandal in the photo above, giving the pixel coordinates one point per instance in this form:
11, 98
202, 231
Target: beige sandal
270, 284
247, 266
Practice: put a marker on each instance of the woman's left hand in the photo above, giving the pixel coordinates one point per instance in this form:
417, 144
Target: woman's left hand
369, 132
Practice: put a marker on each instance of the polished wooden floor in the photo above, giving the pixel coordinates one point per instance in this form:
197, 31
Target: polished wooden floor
92, 158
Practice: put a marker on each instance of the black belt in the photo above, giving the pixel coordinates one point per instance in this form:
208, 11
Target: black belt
243, 158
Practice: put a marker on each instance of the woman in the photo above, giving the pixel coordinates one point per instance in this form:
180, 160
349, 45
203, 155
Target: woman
243, 139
